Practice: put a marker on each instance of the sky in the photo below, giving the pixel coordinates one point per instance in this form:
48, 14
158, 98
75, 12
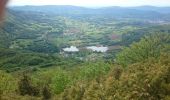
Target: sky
91, 3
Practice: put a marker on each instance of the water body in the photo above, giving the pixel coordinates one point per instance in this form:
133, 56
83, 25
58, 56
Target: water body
71, 49
98, 49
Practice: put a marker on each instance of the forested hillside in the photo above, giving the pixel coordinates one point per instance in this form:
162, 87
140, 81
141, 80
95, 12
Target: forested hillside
76, 53
146, 77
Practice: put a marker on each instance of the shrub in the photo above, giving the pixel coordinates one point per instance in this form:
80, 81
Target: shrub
59, 81
26, 88
46, 93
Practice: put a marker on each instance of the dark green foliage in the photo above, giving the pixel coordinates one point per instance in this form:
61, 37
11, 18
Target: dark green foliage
4, 39
46, 93
117, 73
11, 59
26, 87
149, 46
42, 47
135, 36
35, 61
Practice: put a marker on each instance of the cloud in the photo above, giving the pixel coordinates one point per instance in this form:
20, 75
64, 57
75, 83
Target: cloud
92, 2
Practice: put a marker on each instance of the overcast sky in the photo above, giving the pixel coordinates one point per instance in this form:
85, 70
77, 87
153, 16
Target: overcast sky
92, 3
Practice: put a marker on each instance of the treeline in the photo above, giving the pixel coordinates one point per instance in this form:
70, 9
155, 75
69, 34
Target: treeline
12, 60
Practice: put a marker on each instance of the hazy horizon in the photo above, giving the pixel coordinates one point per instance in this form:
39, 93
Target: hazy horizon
92, 3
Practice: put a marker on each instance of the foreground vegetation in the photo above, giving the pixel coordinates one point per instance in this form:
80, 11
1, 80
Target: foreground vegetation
147, 78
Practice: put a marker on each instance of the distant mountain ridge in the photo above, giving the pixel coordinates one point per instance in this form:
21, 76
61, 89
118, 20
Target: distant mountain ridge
84, 10
153, 8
